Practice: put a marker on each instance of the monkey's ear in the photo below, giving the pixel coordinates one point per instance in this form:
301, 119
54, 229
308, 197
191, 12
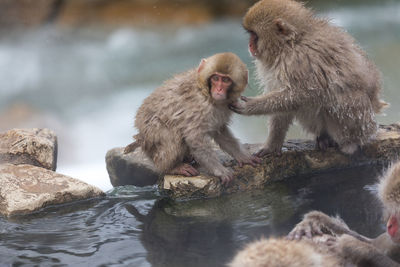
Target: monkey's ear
201, 65
284, 28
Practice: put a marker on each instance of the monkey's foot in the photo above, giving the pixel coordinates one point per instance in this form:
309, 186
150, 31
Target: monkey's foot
305, 230
349, 149
251, 160
226, 179
324, 141
266, 151
184, 169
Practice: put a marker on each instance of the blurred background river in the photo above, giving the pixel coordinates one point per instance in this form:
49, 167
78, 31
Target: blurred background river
82, 68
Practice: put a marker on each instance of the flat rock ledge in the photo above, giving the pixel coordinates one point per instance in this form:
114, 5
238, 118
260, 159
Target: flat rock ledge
299, 157
25, 189
36, 147
28, 181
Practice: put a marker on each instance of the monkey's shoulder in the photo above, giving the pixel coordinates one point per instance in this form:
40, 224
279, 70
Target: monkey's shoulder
181, 81
384, 244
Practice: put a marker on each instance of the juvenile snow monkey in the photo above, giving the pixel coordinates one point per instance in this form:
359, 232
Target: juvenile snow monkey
179, 120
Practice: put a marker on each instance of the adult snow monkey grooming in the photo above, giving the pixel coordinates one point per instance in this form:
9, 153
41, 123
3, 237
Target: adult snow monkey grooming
313, 72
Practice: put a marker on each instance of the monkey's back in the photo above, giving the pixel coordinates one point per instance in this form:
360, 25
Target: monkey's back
329, 59
173, 110
280, 252
167, 104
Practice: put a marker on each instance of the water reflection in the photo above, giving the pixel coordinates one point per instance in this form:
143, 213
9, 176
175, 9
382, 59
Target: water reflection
209, 232
138, 227
203, 232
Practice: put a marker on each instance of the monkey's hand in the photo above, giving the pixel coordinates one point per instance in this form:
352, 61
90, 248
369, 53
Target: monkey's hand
226, 177
269, 150
317, 223
305, 229
250, 159
185, 170
244, 107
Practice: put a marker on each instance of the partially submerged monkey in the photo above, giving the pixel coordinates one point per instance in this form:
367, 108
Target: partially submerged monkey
313, 72
284, 253
180, 119
381, 251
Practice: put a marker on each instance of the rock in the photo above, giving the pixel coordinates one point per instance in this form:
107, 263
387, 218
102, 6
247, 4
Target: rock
25, 189
299, 157
36, 147
189, 188
130, 169
137, 169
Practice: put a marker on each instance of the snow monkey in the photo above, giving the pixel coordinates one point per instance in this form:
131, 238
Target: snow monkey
180, 119
283, 253
313, 72
381, 251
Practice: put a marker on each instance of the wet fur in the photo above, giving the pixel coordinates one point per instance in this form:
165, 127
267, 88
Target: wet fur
380, 251
313, 72
279, 252
180, 118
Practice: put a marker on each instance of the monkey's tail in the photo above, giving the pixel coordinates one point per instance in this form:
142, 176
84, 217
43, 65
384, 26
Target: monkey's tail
379, 105
132, 146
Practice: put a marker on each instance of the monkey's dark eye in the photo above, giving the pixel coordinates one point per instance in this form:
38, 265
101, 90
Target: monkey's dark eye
226, 80
215, 78
253, 36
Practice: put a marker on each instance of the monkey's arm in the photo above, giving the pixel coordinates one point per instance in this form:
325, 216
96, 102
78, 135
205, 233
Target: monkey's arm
201, 147
278, 126
225, 139
385, 244
285, 100
361, 253
318, 223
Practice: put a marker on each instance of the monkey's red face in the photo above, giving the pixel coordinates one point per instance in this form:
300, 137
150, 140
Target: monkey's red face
220, 85
393, 228
253, 43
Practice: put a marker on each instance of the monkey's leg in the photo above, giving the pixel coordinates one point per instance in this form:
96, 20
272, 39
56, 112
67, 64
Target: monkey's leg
324, 140
278, 127
201, 147
231, 145
169, 152
346, 133
355, 125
